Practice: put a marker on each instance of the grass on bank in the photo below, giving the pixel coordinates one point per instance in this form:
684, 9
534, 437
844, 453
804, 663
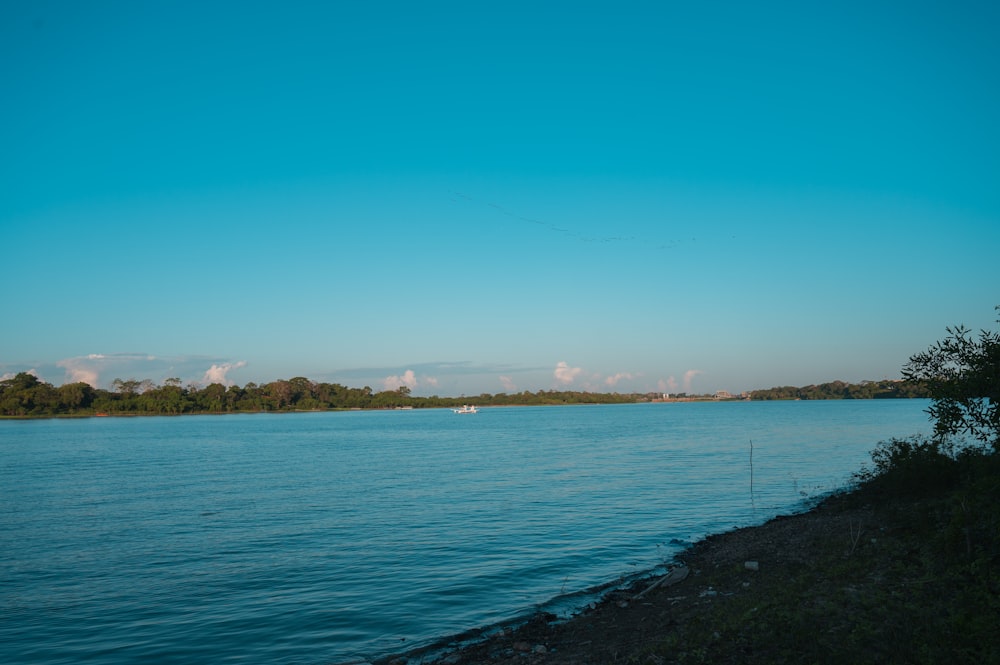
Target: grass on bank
917, 580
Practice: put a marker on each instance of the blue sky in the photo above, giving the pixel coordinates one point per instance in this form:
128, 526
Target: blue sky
494, 197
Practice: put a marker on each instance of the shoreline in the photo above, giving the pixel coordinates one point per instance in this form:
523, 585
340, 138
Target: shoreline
685, 400
858, 577
544, 638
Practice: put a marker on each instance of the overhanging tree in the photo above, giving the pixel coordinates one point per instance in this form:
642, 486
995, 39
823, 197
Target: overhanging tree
962, 375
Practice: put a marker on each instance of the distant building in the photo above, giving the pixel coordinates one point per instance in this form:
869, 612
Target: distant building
722, 394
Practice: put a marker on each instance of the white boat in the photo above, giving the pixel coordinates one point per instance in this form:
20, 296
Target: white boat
466, 409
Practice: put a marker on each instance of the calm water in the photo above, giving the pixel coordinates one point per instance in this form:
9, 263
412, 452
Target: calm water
330, 537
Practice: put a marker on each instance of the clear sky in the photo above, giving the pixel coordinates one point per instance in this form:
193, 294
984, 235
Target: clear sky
470, 197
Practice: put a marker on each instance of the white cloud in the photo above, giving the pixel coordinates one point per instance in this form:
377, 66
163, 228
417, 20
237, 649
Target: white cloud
409, 379
82, 370
565, 374
217, 373
508, 384
97, 368
689, 377
88, 369
668, 386
446, 377
613, 380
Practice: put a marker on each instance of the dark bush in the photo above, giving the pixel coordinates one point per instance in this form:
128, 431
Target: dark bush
912, 467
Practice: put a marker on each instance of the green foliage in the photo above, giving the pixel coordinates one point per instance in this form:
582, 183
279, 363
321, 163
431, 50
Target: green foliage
840, 390
957, 489
915, 466
962, 375
945, 491
26, 396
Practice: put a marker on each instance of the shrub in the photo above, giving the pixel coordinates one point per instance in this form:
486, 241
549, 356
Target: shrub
914, 466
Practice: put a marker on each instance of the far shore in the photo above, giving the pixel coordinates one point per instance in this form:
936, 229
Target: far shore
25, 395
141, 414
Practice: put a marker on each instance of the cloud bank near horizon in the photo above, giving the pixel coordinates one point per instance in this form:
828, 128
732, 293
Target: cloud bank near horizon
453, 377
446, 377
565, 375
100, 369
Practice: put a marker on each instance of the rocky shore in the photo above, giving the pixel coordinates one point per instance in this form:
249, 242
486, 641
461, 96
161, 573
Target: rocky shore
858, 578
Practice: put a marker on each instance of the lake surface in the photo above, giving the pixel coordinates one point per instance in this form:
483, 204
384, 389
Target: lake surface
335, 537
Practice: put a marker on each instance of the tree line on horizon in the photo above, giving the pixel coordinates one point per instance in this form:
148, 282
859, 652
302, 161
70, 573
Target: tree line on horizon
886, 389
25, 395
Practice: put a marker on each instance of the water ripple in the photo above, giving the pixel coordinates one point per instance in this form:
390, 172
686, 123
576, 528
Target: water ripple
317, 538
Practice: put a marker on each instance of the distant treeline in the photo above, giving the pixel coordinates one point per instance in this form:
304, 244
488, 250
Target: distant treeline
841, 390
25, 395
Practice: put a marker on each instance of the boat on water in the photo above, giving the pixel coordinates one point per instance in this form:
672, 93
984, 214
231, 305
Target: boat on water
466, 409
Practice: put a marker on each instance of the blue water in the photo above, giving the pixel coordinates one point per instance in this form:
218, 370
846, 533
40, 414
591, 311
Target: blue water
332, 537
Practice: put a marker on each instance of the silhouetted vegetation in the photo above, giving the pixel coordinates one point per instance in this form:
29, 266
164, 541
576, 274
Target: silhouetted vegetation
962, 375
